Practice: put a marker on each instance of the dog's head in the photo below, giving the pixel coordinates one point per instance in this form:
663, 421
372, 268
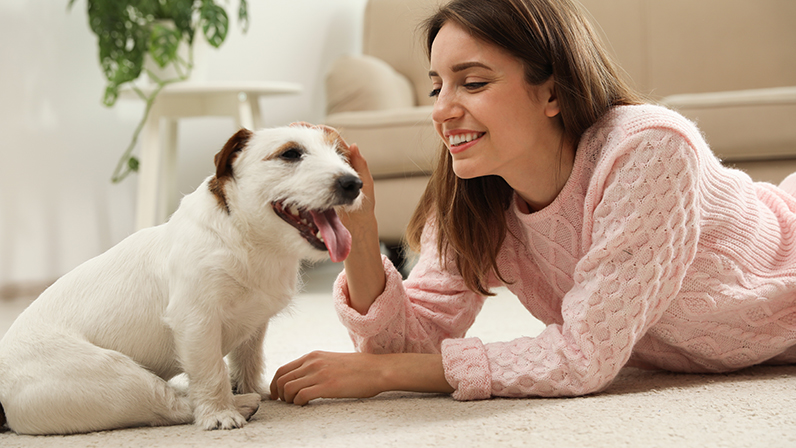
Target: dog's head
295, 175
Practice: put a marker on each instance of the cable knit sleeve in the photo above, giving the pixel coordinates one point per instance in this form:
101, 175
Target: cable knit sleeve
640, 235
412, 316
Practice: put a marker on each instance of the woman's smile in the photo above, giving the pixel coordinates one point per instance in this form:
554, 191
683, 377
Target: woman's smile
461, 141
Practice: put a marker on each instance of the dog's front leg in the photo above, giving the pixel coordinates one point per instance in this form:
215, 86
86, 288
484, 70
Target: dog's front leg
198, 338
246, 364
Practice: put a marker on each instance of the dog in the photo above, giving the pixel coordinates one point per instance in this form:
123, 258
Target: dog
96, 350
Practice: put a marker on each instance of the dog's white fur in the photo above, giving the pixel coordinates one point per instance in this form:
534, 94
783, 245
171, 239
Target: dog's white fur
96, 349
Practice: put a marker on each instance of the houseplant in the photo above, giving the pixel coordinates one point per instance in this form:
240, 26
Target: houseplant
131, 31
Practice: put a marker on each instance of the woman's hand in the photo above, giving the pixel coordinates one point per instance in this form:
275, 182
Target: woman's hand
327, 375
364, 269
361, 218
357, 375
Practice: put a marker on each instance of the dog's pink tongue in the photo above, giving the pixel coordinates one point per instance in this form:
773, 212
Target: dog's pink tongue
334, 233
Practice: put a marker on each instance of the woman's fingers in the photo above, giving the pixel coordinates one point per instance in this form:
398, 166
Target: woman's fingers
283, 375
296, 390
293, 379
360, 165
326, 375
353, 218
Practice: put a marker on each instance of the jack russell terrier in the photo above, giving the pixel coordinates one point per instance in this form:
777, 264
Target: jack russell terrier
96, 350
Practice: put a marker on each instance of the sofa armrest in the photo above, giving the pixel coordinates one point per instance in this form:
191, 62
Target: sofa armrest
755, 97
744, 125
358, 83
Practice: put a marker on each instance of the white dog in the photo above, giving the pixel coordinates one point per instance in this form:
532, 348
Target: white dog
96, 349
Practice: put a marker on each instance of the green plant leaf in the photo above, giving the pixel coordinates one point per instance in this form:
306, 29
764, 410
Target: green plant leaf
122, 43
181, 13
164, 43
111, 94
243, 15
133, 163
215, 22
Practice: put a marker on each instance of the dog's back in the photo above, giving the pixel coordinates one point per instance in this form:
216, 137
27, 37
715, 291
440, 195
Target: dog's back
115, 300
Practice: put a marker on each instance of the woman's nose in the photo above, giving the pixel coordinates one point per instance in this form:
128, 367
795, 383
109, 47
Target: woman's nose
446, 107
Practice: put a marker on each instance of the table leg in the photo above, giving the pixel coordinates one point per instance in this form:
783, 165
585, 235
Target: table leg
245, 112
149, 173
168, 200
257, 120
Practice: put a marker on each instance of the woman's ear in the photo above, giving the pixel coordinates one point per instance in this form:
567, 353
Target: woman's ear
549, 97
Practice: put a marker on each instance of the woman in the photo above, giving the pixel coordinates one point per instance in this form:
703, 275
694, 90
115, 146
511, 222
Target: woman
610, 220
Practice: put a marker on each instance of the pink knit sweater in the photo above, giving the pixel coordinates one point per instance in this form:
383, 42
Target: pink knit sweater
653, 255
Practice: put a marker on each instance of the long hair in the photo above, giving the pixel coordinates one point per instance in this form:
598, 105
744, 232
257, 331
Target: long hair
551, 38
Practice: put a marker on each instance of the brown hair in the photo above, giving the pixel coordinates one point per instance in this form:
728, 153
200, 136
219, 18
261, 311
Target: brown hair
551, 38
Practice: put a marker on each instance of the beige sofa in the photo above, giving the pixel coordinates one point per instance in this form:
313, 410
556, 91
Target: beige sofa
677, 51
729, 65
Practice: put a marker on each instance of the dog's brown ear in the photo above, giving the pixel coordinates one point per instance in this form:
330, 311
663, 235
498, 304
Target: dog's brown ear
224, 160
227, 155
334, 138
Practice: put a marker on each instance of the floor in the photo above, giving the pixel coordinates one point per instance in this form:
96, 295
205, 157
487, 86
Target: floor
750, 408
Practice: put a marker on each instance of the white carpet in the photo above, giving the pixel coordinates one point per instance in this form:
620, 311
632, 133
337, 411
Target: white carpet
752, 408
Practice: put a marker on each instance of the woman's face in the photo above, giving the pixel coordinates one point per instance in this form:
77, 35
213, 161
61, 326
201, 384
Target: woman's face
492, 121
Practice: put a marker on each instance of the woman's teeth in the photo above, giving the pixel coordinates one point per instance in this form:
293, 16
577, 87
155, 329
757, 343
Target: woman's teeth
459, 139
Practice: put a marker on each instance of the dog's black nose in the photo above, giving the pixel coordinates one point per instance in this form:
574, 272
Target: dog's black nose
348, 186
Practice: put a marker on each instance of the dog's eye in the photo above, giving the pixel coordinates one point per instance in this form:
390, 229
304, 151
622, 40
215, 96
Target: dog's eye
291, 154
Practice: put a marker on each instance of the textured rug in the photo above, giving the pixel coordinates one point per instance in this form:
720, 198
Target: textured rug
752, 408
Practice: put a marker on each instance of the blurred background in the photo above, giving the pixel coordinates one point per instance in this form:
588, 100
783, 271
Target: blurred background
59, 144
729, 65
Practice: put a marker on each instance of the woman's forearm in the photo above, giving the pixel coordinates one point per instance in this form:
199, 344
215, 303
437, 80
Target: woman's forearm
415, 372
364, 269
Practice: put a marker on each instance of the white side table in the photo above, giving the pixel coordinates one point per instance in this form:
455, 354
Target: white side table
157, 174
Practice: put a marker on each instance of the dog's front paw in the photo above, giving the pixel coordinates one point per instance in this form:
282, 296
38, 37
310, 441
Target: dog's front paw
245, 407
226, 419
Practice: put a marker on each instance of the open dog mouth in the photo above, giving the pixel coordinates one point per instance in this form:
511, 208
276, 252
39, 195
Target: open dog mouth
321, 228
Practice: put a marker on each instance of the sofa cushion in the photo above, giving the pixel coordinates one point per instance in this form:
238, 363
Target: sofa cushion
366, 83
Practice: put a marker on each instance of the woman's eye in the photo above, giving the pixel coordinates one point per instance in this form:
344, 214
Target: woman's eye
474, 85
469, 86
291, 155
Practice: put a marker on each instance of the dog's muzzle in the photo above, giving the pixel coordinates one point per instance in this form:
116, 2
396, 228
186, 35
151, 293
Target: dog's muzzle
348, 188
322, 228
